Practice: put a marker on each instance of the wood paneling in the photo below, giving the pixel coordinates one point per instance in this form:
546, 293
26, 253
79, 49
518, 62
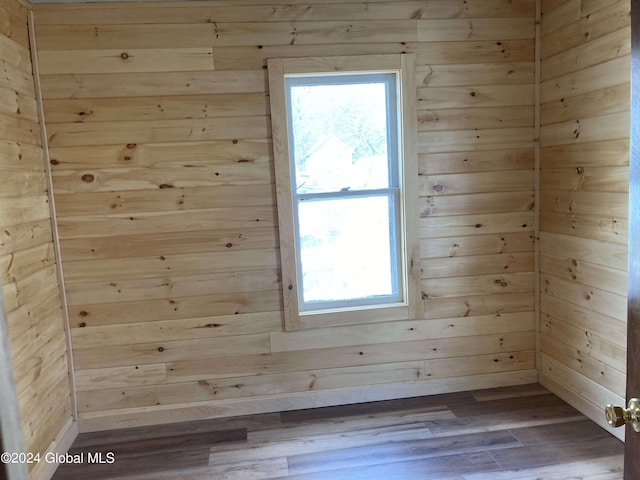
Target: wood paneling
156, 108
248, 11
597, 19
163, 180
110, 61
28, 272
121, 85
583, 201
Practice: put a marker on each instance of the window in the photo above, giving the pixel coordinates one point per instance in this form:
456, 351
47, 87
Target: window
346, 175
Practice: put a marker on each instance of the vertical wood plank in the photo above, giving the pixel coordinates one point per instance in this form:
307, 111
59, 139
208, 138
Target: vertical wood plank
410, 180
283, 194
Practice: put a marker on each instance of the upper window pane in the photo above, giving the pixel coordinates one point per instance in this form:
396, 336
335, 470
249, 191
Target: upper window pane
341, 132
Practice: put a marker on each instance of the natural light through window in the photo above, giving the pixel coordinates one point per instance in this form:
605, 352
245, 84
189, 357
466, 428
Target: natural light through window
344, 162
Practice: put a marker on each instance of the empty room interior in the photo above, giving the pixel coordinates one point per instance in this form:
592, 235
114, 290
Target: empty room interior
255, 224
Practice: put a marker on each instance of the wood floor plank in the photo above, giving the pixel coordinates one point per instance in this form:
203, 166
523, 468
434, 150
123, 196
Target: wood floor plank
605, 468
491, 407
587, 431
124, 467
160, 445
400, 452
372, 408
260, 470
439, 468
506, 419
554, 453
115, 437
320, 443
407, 418
503, 393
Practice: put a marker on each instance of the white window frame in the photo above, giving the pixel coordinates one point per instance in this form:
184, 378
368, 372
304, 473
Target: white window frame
410, 304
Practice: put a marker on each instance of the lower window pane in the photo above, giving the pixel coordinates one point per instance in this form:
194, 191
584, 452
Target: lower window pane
347, 249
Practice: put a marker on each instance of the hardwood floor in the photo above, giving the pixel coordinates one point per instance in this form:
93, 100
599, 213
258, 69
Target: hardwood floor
515, 433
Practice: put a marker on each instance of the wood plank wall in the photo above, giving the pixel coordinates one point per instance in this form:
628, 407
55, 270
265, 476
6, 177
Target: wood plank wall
27, 263
158, 124
584, 194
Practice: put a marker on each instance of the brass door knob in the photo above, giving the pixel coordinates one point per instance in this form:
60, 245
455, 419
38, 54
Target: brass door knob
617, 416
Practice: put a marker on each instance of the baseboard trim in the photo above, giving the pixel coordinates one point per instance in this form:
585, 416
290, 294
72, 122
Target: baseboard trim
59, 445
583, 405
164, 414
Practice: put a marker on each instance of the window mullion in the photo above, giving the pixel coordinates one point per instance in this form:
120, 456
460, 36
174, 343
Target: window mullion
379, 192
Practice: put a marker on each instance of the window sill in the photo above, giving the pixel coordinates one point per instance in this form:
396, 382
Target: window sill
355, 316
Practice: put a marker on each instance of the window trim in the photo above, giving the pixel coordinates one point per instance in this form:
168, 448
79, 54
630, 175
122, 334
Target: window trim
403, 64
